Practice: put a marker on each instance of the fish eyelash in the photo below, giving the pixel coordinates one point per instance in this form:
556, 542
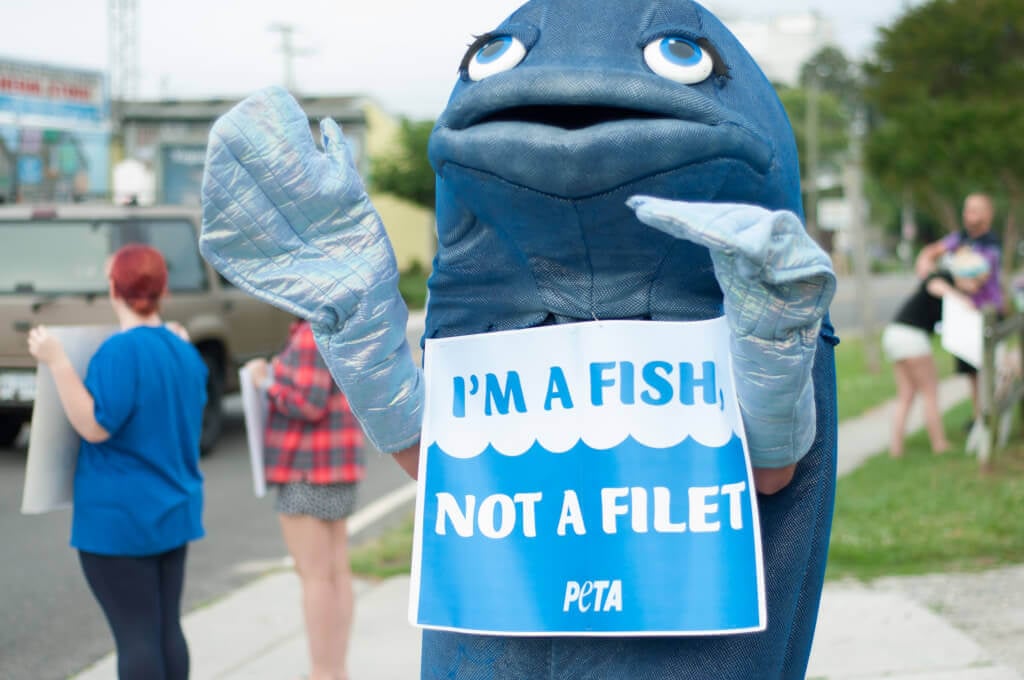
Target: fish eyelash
478, 42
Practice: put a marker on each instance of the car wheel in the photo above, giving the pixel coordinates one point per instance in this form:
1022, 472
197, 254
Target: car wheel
213, 414
10, 427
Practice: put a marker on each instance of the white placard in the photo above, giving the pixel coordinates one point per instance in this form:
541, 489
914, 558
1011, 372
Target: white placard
962, 329
53, 443
254, 406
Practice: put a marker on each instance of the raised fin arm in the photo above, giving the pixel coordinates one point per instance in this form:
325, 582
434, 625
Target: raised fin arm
777, 285
293, 225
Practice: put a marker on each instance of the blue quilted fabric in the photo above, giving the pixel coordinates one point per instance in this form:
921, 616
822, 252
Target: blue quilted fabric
293, 225
777, 285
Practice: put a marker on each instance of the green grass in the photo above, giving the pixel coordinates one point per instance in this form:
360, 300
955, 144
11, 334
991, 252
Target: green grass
412, 284
387, 555
861, 387
925, 513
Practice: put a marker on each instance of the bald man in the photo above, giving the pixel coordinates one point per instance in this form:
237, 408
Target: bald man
984, 289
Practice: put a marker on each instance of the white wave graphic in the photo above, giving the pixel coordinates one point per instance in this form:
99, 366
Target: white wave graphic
597, 382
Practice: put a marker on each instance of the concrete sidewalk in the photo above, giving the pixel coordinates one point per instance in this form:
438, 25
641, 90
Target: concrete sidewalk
883, 630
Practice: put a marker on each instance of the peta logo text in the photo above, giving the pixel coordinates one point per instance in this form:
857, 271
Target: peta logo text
596, 596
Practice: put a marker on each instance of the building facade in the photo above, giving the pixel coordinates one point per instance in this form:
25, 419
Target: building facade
170, 137
779, 43
55, 131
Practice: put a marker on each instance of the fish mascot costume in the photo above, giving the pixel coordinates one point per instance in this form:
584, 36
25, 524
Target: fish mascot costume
621, 264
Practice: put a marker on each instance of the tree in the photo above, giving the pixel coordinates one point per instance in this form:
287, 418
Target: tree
407, 173
833, 128
821, 110
830, 141
946, 89
832, 72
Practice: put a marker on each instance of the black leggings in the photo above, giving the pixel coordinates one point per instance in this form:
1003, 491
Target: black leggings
141, 597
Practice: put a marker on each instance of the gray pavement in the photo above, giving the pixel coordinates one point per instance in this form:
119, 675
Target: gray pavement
935, 627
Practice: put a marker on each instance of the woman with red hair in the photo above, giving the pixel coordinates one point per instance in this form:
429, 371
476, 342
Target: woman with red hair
138, 493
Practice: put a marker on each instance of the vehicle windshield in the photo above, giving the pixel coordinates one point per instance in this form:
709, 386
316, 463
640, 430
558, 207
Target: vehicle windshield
68, 257
54, 257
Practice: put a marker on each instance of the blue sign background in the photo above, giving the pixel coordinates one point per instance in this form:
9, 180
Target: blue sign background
68, 111
671, 582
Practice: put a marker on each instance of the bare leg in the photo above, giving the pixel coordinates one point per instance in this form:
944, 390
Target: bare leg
310, 542
926, 381
905, 389
344, 596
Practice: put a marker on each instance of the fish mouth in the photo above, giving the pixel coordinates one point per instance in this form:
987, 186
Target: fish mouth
566, 117
582, 135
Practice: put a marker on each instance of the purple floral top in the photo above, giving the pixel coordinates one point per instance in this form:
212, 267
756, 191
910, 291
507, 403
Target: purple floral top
991, 293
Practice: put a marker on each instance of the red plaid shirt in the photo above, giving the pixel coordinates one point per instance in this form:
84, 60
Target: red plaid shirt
311, 434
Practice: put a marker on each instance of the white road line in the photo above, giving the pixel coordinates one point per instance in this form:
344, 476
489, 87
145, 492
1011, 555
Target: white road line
364, 518
357, 523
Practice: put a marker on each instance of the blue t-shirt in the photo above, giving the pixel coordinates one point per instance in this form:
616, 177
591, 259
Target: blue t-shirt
141, 491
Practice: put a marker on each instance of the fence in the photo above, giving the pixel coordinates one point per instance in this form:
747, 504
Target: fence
1000, 384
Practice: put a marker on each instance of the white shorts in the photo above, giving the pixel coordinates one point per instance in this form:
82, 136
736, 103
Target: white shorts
900, 341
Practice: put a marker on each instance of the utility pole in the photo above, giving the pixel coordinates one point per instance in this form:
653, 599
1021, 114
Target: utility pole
811, 124
123, 48
122, 57
854, 191
908, 230
289, 52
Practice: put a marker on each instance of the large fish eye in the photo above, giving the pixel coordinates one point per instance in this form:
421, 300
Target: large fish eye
498, 54
679, 59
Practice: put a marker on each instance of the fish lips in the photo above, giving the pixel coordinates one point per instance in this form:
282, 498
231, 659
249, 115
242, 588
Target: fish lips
576, 135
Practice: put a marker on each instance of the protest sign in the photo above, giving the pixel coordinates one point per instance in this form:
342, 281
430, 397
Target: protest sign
254, 406
962, 329
53, 443
586, 479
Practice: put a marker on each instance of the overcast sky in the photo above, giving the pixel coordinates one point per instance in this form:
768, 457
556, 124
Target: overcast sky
402, 52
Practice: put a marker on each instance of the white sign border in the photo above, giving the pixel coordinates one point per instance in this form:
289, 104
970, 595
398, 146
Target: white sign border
417, 547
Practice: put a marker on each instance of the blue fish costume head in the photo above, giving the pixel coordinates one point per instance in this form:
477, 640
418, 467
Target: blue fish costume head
608, 159
563, 112
629, 97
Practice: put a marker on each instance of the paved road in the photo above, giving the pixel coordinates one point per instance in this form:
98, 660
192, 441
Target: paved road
51, 627
988, 606
888, 291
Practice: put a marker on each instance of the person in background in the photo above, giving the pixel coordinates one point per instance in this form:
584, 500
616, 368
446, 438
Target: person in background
906, 342
138, 490
985, 288
313, 448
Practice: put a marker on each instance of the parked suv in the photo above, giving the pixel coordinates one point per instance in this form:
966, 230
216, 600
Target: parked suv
52, 272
